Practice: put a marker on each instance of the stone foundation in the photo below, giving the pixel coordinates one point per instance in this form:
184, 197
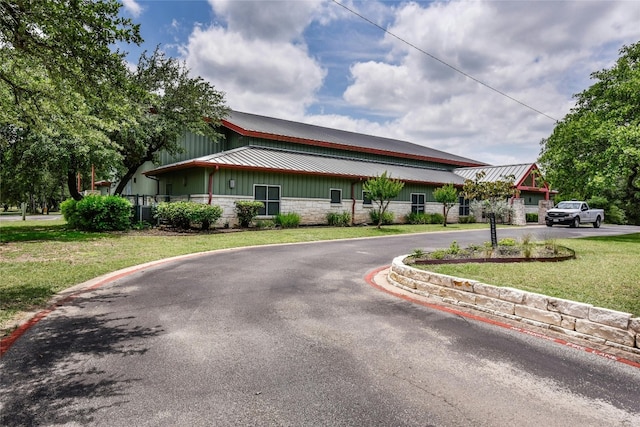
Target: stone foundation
585, 321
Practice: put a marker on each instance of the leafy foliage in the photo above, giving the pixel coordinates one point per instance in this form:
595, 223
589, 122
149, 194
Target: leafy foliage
595, 149
183, 214
424, 218
385, 219
448, 196
247, 210
98, 213
288, 220
167, 101
342, 219
381, 190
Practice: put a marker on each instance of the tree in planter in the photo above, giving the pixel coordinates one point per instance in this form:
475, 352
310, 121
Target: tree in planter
381, 190
448, 196
491, 194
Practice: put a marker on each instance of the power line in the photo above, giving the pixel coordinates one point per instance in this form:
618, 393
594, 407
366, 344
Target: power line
457, 70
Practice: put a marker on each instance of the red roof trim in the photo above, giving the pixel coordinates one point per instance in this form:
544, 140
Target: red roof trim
275, 137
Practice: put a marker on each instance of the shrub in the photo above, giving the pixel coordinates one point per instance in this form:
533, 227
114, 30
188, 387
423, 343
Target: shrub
532, 217
247, 210
467, 219
183, 214
615, 215
436, 218
387, 218
70, 213
418, 218
98, 213
288, 220
339, 219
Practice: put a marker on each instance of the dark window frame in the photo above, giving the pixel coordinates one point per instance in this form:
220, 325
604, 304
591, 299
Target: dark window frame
271, 205
418, 206
334, 200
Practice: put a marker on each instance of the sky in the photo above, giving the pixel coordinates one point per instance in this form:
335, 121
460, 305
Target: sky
487, 80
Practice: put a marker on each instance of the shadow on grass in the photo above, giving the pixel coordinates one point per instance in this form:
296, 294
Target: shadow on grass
55, 232
48, 377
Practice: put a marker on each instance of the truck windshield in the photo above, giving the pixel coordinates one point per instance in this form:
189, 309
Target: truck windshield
568, 205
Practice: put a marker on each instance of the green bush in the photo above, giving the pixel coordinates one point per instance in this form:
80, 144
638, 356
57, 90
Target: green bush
436, 218
288, 220
467, 219
417, 218
615, 215
70, 213
98, 213
339, 219
387, 217
247, 210
532, 217
183, 214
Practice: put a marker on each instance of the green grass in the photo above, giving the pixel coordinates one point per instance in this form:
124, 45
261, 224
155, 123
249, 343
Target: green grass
605, 273
41, 258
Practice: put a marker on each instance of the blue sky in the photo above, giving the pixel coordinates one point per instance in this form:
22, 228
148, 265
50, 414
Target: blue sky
316, 62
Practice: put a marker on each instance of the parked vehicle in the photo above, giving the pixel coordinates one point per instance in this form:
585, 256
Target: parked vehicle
573, 213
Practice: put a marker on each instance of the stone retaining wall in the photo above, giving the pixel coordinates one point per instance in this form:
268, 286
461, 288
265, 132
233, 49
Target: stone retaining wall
585, 321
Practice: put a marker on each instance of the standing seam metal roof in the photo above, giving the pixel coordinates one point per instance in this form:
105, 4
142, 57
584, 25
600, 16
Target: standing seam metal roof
279, 129
284, 161
495, 173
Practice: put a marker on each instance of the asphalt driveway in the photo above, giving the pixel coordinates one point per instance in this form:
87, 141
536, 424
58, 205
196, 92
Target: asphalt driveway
293, 335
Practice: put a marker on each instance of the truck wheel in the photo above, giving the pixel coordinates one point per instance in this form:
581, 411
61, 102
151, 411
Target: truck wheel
597, 222
575, 223
549, 224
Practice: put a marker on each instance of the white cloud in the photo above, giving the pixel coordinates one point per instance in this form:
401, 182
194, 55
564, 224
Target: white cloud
540, 53
132, 7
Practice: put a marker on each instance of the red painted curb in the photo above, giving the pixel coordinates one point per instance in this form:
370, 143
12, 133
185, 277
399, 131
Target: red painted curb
370, 280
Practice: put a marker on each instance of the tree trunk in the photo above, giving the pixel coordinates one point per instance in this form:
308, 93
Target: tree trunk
73, 187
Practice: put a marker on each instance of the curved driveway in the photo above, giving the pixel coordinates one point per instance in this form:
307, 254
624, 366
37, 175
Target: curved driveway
294, 336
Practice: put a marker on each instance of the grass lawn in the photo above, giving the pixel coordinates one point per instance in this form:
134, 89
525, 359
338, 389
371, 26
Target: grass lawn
41, 258
605, 273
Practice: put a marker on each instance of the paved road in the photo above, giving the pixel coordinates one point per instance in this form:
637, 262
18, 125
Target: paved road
293, 335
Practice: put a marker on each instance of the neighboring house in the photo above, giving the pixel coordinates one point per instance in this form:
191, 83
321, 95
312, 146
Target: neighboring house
301, 168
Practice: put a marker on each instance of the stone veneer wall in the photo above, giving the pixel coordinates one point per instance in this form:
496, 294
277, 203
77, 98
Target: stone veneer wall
314, 211
576, 319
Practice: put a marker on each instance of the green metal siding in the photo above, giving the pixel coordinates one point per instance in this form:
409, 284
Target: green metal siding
531, 198
194, 146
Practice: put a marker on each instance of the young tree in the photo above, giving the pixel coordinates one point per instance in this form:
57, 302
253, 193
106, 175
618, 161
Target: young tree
490, 193
595, 149
168, 101
448, 196
381, 190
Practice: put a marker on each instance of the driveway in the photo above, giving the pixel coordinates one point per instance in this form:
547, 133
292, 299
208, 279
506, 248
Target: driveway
294, 335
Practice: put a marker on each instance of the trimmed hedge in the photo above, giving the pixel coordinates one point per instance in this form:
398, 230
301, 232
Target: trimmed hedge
184, 214
424, 218
98, 213
387, 217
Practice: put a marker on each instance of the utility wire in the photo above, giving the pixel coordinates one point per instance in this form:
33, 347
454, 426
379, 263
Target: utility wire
457, 70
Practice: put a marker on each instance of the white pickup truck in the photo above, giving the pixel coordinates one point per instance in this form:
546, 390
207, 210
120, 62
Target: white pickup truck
574, 213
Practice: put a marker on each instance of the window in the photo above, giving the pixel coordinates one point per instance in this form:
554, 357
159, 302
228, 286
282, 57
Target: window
463, 210
270, 196
366, 198
336, 196
169, 189
417, 202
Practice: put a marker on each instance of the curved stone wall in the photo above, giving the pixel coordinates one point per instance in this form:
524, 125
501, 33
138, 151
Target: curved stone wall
595, 324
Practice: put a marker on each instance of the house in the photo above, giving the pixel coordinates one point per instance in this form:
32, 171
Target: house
306, 169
